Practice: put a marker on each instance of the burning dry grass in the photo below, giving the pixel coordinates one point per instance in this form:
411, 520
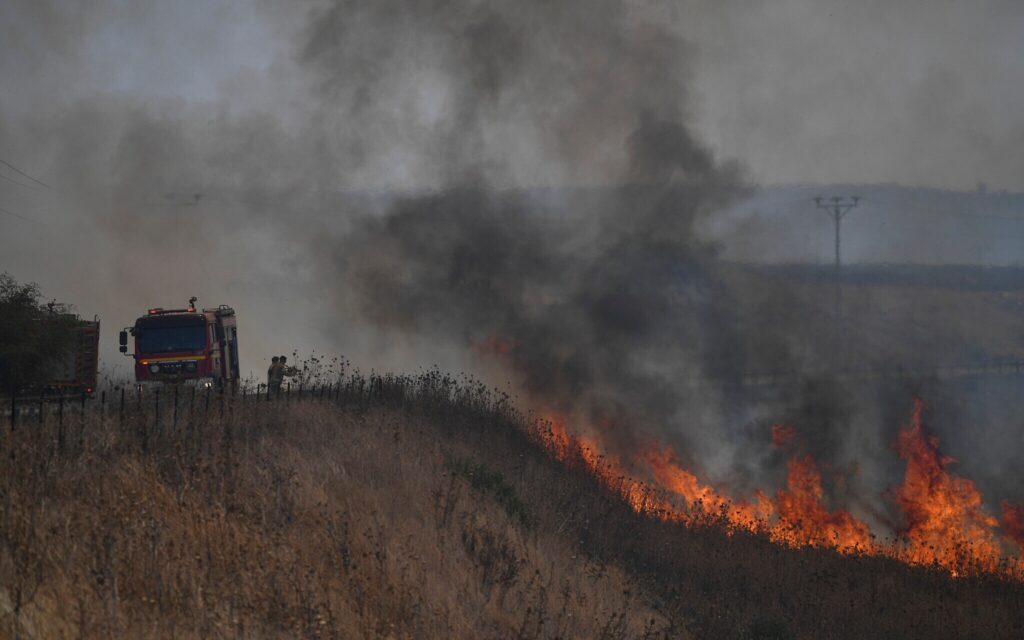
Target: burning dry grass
408, 508
944, 522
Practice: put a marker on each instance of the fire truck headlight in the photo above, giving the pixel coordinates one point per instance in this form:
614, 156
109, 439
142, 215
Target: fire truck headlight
154, 368
190, 365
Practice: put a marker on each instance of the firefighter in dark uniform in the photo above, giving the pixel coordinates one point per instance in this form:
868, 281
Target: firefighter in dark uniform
273, 379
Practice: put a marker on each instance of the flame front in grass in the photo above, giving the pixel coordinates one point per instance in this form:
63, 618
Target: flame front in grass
804, 520
797, 517
572, 448
945, 523
670, 475
944, 520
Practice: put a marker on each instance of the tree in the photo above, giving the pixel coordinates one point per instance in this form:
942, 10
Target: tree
34, 337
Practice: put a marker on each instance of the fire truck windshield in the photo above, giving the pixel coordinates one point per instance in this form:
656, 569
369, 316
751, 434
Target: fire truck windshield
170, 339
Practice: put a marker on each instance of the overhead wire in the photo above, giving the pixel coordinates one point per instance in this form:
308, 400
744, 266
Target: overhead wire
20, 184
22, 173
12, 180
193, 203
14, 214
21, 217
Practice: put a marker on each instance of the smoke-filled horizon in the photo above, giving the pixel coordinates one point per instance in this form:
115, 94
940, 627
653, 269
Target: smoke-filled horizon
540, 193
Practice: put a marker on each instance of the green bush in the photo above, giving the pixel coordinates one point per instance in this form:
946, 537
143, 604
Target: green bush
33, 336
492, 483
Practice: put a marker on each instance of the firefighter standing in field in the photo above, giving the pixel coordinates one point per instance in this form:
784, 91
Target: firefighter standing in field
278, 372
272, 372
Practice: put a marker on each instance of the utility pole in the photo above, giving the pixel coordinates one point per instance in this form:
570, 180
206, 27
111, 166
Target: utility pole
838, 207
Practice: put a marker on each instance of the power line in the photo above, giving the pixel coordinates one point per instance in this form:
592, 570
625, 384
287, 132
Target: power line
169, 198
20, 217
20, 172
20, 184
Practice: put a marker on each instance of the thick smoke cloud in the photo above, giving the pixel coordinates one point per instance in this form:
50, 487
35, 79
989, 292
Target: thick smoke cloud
598, 301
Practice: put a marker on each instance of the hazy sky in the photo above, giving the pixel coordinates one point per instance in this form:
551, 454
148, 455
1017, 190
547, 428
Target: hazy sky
918, 92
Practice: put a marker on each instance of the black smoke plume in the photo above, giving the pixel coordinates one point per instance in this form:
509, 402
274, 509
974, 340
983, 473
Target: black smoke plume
603, 299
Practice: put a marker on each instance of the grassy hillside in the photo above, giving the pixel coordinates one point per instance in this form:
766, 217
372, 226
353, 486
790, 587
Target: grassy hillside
409, 508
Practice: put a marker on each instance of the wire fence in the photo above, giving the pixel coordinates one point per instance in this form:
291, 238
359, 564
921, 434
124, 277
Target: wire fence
164, 405
155, 410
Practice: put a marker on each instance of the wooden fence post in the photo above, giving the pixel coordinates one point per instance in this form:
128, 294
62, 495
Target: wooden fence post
60, 422
81, 422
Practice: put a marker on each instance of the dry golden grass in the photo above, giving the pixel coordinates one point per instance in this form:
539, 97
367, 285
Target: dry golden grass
282, 520
405, 509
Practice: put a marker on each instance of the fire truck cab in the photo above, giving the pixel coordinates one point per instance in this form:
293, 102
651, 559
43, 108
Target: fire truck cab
185, 345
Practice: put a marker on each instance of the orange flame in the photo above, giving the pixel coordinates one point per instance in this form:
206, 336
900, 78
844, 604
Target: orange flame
803, 518
667, 472
944, 520
945, 523
570, 448
797, 517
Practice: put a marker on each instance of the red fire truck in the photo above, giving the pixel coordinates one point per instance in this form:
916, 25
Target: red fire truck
76, 372
185, 345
